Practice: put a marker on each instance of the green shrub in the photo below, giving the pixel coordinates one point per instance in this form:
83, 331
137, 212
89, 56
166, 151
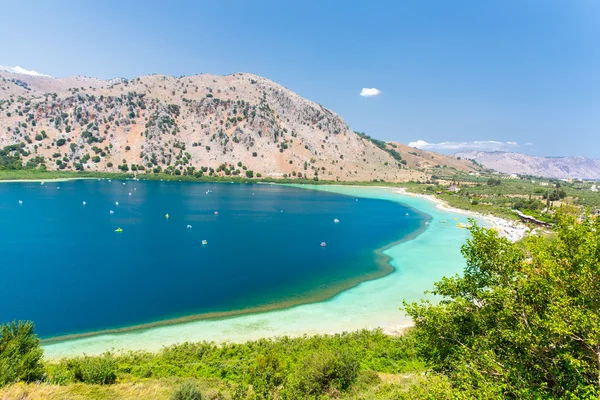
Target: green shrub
186, 391
100, 370
20, 353
321, 372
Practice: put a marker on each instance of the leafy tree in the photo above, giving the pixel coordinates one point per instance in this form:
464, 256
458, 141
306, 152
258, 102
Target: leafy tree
494, 182
524, 320
20, 353
61, 142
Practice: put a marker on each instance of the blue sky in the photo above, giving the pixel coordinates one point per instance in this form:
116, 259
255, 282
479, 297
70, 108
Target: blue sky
453, 74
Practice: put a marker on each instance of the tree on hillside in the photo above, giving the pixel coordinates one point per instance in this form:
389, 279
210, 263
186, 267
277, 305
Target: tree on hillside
20, 353
522, 321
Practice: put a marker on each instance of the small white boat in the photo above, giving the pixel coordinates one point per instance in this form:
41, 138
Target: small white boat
84, 203
335, 221
123, 183
204, 243
20, 201
130, 193
111, 211
58, 187
116, 203
407, 214
189, 227
216, 213
323, 244
41, 183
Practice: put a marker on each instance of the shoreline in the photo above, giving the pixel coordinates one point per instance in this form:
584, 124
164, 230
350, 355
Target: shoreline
368, 305
318, 295
513, 231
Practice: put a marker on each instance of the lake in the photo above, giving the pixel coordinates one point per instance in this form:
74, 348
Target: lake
64, 266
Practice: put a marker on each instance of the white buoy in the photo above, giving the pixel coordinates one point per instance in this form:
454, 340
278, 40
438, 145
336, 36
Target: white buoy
20, 201
112, 212
84, 203
116, 203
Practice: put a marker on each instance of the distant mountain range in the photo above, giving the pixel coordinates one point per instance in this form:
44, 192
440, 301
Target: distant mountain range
547, 167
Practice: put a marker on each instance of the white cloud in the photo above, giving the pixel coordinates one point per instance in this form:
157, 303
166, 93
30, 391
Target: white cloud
369, 92
484, 145
22, 71
528, 144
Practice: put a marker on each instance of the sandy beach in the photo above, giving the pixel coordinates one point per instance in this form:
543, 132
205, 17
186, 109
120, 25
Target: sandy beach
511, 230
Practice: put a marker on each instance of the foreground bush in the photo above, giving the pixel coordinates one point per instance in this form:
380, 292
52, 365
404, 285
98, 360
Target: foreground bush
523, 321
323, 372
20, 353
186, 391
100, 370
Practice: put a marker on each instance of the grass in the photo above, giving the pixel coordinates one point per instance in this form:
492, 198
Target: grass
356, 365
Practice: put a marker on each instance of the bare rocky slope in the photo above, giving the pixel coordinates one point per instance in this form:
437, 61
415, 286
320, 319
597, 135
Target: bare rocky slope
548, 167
240, 124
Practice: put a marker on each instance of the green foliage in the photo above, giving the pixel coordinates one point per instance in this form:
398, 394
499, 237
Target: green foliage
20, 353
302, 367
322, 372
523, 321
186, 391
101, 370
60, 142
494, 182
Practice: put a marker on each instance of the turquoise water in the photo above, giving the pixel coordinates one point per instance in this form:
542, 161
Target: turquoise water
64, 266
418, 263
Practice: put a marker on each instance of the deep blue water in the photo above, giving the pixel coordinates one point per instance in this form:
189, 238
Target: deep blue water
64, 266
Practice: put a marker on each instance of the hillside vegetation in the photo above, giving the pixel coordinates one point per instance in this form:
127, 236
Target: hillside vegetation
204, 125
522, 321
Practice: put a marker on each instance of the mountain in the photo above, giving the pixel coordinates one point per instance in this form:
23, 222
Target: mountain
547, 167
236, 124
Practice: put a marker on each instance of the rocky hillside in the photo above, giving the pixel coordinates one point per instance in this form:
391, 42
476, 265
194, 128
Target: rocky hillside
547, 167
239, 124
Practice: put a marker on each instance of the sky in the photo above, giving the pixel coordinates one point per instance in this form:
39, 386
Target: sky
515, 75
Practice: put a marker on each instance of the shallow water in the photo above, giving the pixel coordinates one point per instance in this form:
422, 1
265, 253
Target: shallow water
64, 266
418, 263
